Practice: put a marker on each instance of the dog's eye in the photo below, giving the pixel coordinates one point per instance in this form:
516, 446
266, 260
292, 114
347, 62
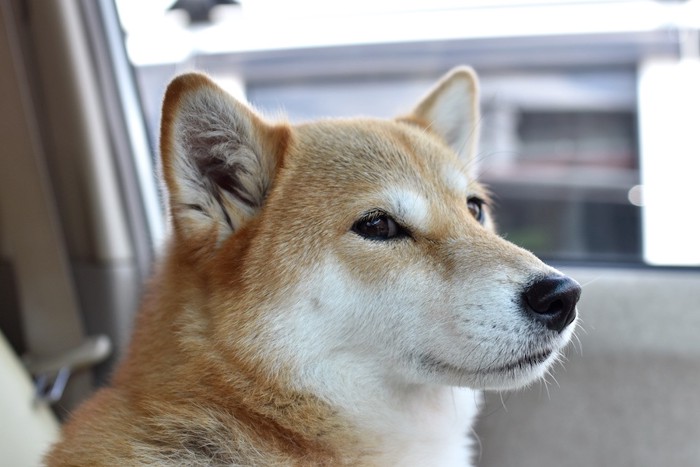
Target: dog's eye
476, 208
378, 226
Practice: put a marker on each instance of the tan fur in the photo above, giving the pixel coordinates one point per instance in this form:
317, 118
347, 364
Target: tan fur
207, 380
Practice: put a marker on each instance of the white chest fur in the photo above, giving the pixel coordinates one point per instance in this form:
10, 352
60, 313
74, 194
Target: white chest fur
428, 429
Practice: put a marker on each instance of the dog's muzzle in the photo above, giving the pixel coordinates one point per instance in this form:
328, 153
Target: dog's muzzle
551, 300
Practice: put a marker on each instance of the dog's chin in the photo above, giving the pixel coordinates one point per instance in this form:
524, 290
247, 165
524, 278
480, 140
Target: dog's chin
525, 370
501, 376
517, 374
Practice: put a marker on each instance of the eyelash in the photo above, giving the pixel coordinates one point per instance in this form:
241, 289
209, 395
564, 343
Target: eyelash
378, 225
476, 207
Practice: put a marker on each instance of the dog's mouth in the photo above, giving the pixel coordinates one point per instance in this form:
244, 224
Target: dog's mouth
524, 363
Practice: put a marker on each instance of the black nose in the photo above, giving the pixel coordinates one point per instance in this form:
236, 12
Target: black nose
552, 301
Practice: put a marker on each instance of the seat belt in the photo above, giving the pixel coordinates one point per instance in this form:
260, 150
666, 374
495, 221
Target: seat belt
27, 428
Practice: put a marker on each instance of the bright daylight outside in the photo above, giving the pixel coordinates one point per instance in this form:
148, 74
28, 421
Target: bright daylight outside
565, 95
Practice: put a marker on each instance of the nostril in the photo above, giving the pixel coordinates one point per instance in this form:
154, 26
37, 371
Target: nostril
552, 301
555, 307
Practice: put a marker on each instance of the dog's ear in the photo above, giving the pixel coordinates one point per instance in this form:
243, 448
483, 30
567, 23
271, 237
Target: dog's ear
451, 110
219, 158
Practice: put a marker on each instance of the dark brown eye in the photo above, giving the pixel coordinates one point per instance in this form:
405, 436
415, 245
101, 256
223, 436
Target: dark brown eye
378, 226
476, 208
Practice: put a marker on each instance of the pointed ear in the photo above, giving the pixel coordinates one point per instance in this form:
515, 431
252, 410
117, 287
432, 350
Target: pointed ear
219, 158
451, 110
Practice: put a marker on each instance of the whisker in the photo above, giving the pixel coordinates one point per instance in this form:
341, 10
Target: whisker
546, 385
479, 445
503, 403
581, 326
591, 281
577, 343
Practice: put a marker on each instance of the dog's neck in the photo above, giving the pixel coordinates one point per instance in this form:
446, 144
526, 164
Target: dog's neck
429, 426
404, 424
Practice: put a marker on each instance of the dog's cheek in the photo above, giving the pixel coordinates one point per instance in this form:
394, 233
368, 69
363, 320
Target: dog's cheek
386, 301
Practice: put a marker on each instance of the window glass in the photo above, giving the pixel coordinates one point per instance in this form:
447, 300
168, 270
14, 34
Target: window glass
560, 176
561, 97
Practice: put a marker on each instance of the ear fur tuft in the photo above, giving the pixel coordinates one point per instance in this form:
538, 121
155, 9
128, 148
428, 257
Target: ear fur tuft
451, 110
219, 157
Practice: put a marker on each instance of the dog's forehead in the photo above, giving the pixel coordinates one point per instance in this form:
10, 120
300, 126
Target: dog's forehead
375, 151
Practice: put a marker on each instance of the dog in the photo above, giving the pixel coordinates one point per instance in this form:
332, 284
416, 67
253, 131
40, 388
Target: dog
332, 293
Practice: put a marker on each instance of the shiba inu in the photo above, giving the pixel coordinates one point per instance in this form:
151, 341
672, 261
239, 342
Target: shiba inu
333, 293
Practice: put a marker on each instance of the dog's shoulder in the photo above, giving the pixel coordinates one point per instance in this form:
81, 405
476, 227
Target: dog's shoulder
118, 427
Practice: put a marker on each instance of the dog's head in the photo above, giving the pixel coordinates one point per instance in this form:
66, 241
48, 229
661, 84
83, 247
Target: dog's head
361, 242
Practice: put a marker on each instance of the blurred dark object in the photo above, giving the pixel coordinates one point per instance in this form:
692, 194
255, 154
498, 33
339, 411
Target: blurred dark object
199, 10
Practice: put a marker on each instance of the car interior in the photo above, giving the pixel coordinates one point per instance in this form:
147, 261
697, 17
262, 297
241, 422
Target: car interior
589, 145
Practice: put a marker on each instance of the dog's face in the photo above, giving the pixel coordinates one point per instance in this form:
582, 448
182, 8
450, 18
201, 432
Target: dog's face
364, 243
